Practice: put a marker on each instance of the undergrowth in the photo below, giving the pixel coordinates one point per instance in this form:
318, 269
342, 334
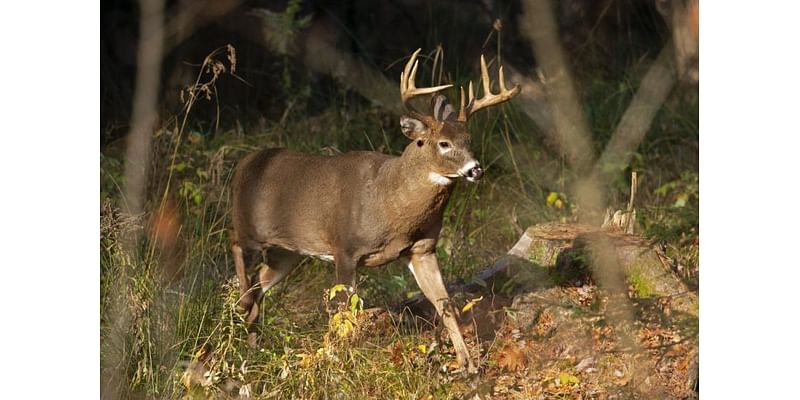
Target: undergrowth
179, 298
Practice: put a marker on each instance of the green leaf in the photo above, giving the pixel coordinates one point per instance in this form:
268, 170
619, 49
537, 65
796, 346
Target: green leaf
551, 198
566, 378
336, 289
356, 304
342, 324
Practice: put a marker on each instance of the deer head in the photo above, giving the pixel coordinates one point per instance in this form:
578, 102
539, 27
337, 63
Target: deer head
441, 136
360, 208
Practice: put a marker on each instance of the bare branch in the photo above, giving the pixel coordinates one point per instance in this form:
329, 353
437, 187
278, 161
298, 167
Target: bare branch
651, 95
137, 159
571, 130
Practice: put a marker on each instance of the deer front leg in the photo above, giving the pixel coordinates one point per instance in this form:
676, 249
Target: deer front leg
346, 275
425, 268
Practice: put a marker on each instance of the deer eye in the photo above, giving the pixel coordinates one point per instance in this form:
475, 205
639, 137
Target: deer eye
444, 145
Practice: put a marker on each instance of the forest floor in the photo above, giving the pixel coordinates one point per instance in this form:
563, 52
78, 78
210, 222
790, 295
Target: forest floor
170, 328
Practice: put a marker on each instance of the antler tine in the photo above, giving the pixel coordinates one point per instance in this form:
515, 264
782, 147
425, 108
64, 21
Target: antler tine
485, 78
489, 98
471, 95
502, 80
463, 113
408, 88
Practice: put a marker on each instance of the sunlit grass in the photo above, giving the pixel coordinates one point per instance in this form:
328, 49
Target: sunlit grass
186, 337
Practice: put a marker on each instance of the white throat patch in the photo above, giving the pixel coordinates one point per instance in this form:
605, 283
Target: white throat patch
439, 179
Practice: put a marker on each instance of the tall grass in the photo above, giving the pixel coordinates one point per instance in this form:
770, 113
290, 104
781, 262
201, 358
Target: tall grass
186, 338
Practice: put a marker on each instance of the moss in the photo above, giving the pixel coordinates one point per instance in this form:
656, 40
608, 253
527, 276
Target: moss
641, 286
537, 253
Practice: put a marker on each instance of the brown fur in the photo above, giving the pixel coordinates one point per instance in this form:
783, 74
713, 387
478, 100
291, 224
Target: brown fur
360, 209
364, 209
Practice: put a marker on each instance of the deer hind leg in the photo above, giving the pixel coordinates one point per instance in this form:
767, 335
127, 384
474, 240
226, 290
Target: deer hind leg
246, 295
425, 268
279, 264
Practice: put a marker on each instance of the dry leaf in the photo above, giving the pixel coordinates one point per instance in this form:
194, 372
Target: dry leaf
396, 352
511, 358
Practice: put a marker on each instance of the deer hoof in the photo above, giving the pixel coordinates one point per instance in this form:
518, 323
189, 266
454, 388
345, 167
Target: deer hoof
252, 340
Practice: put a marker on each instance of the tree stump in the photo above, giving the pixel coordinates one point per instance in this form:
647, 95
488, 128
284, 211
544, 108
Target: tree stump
566, 248
555, 254
638, 330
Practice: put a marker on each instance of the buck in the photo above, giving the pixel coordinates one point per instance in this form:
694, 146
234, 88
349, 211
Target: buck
363, 208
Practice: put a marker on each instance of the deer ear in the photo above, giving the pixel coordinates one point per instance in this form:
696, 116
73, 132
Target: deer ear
412, 127
442, 110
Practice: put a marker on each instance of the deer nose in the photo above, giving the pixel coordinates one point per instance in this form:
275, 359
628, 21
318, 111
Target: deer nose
475, 173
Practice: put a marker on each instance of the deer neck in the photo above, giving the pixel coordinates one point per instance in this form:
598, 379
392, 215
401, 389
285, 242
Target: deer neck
415, 193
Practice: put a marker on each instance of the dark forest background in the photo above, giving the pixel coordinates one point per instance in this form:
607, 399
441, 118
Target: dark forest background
609, 88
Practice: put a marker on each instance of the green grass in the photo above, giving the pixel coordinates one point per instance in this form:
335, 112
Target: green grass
642, 287
173, 323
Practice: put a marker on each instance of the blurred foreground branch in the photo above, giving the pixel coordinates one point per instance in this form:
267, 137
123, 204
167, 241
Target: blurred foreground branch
573, 136
144, 115
532, 99
569, 124
549, 253
570, 130
652, 93
137, 160
191, 16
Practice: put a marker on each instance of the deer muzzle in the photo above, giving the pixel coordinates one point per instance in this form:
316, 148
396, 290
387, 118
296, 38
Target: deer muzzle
472, 171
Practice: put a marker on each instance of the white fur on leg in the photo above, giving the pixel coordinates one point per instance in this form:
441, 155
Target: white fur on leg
411, 268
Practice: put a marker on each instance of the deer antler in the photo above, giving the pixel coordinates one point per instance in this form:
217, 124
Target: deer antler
489, 98
408, 88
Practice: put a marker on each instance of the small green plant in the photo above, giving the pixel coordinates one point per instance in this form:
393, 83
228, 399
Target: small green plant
192, 324
111, 177
640, 286
344, 323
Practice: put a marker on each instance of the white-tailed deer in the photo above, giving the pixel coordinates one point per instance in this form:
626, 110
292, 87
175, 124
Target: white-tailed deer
360, 209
